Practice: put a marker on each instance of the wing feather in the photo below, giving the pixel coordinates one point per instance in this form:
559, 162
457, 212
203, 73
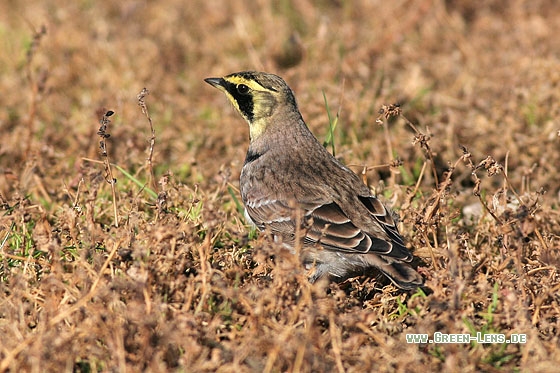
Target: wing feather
330, 226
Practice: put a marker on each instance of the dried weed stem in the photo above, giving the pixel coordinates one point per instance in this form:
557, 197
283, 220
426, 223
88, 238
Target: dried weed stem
12, 354
102, 132
142, 103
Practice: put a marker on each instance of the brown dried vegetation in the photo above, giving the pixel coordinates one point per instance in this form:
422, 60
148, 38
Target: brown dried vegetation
122, 247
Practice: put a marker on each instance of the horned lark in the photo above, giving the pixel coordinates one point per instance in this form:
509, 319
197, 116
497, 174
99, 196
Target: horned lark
291, 185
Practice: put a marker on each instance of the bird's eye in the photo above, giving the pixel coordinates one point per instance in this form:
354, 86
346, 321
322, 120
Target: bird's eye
242, 89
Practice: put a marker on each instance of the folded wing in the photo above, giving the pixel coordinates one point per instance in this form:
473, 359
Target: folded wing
328, 225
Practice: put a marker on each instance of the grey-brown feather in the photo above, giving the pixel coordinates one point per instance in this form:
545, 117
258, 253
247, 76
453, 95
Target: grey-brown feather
346, 229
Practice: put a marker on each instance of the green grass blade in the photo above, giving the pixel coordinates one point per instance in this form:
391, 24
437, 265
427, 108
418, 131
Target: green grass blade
142, 185
239, 205
332, 126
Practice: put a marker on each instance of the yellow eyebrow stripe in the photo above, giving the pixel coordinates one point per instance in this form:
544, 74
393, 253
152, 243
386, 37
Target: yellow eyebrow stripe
249, 83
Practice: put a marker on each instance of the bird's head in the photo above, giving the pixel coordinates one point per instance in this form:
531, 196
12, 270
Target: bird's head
258, 97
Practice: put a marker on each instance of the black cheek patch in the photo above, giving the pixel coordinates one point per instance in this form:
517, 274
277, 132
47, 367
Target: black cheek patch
244, 101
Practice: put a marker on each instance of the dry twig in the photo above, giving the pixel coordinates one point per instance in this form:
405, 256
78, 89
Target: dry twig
102, 132
142, 103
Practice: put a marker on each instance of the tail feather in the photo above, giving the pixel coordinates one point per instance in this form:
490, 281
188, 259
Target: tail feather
339, 266
401, 274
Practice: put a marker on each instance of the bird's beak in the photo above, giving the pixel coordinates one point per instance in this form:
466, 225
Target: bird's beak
216, 82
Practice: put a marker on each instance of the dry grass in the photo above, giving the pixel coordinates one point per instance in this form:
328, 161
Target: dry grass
158, 272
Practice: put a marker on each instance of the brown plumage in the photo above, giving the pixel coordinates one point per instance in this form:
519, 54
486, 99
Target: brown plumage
346, 230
